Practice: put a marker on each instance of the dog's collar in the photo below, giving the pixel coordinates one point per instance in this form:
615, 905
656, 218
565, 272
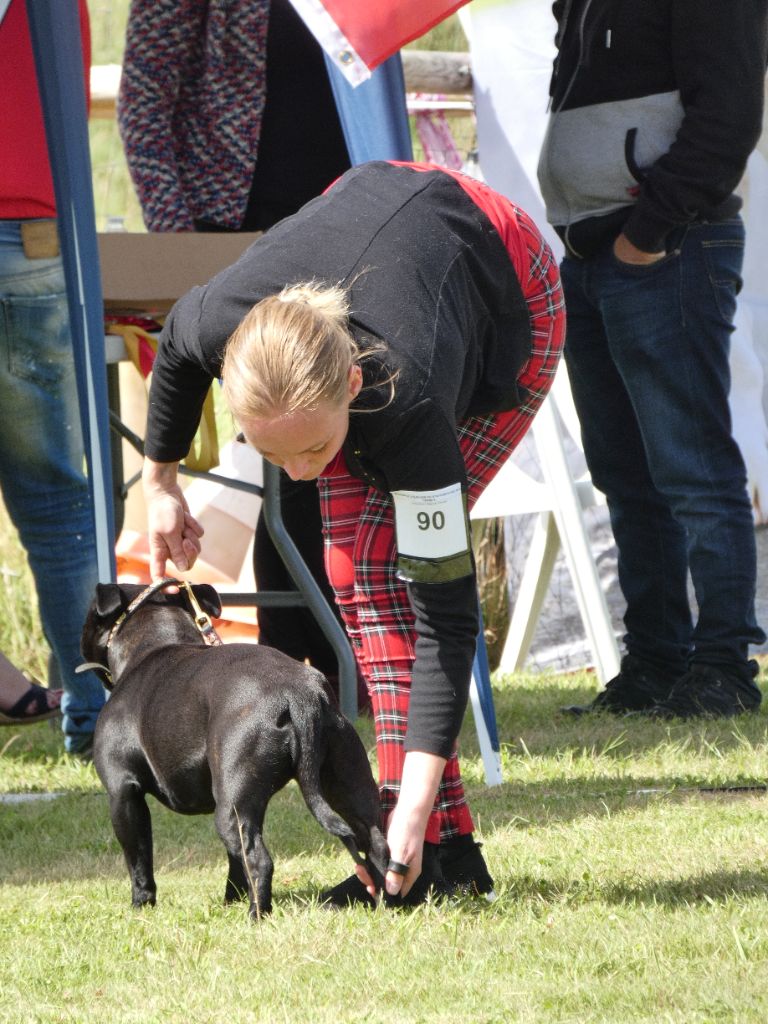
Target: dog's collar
95, 666
202, 621
136, 603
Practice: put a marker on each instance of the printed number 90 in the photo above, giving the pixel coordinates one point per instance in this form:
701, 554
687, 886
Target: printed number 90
425, 520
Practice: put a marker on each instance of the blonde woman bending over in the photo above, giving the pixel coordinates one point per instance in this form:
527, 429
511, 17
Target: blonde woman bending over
392, 340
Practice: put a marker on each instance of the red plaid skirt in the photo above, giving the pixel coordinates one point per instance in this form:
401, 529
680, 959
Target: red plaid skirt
358, 525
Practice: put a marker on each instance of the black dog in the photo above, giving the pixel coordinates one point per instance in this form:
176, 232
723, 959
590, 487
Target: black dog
217, 729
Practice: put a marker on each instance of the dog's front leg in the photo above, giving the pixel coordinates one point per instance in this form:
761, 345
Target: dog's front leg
133, 827
240, 830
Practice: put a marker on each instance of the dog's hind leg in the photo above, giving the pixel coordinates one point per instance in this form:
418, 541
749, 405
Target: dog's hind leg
237, 880
240, 827
133, 827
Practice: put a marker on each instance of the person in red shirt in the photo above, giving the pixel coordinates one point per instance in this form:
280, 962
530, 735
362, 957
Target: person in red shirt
41, 449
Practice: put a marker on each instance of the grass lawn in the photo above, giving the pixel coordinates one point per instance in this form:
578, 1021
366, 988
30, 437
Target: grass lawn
626, 892
631, 862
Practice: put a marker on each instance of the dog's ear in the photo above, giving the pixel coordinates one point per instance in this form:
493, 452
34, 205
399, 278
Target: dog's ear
208, 598
109, 599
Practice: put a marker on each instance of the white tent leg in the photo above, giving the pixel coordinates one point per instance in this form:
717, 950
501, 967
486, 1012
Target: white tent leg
544, 546
568, 515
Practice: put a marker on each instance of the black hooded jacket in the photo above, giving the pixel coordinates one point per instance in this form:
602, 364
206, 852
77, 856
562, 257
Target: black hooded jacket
655, 108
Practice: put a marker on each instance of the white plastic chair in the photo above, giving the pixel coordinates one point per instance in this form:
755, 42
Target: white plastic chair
559, 502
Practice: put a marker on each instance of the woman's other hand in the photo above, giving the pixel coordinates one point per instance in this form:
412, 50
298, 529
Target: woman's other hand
408, 822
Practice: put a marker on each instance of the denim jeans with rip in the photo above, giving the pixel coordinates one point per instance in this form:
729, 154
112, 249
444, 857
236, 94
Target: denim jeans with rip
42, 475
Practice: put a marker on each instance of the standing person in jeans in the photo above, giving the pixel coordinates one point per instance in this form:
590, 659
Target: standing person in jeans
655, 108
229, 124
42, 474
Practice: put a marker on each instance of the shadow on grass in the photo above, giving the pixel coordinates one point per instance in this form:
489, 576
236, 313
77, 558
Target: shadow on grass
694, 890
709, 888
73, 841
72, 838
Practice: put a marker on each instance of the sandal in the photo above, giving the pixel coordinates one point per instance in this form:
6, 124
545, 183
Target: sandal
34, 706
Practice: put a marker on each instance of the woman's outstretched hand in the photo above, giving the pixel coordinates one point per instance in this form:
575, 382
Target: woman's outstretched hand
174, 533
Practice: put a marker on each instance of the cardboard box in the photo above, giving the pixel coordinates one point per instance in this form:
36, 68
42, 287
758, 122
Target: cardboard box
146, 272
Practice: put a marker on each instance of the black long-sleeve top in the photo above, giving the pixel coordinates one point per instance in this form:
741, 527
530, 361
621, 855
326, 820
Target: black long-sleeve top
433, 289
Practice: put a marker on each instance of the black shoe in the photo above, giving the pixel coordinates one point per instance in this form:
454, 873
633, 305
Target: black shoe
711, 691
639, 686
349, 893
464, 867
429, 885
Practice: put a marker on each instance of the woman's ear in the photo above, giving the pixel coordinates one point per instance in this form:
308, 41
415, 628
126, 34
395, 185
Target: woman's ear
355, 381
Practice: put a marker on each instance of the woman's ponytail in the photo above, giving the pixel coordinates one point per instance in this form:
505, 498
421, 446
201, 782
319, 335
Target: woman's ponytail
291, 351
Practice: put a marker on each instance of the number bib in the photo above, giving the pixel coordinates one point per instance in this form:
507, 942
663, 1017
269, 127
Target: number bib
432, 535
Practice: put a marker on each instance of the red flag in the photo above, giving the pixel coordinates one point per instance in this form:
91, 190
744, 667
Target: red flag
358, 35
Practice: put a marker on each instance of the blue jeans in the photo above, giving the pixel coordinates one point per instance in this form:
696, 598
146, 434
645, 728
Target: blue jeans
647, 355
41, 465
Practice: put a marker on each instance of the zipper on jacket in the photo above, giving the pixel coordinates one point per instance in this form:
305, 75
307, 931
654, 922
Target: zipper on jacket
580, 54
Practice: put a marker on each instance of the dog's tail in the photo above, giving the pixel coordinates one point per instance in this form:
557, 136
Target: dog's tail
311, 721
